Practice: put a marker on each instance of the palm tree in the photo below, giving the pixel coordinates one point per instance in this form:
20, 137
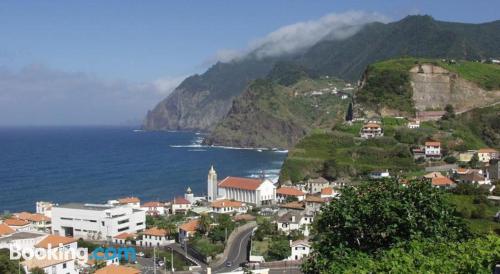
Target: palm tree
204, 225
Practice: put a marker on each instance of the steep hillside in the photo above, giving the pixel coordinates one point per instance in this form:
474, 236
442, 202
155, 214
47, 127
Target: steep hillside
272, 114
202, 100
403, 86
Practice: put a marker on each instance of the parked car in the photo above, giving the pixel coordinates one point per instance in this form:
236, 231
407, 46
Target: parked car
140, 254
229, 264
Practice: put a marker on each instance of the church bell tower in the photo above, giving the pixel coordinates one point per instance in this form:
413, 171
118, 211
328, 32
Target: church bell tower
212, 185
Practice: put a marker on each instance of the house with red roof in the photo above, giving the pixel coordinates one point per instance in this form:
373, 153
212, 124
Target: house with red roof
180, 205
155, 237
154, 208
433, 149
248, 190
487, 154
287, 194
225, 206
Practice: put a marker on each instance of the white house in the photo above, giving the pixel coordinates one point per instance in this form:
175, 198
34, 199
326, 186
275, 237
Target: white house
187, 230
44, 208
154, 208
55, 242
486, 154
327, 193
18, 224
38, 221
21, 240
96, 221
131, 201
283, 193
315, 185
433, 149
155, 237
295, 220
299, 249
413, 124
61, 265
379, 174
248, 190
371, 130
314, 203
180, 205
226, 206
124, 238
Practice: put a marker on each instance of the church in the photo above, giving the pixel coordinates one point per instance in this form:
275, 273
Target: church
247, 190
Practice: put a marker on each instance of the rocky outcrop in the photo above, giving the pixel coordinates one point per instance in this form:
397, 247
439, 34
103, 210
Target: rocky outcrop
435, 87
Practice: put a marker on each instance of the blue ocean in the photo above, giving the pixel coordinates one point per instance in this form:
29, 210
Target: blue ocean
95, 164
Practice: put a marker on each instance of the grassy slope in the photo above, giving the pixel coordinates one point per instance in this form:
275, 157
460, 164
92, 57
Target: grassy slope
270, 115
465, 203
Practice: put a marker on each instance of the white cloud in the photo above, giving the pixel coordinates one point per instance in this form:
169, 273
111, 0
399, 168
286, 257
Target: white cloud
302, 35
38, 95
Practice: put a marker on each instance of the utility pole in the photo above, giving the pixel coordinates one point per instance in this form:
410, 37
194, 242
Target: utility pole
172, 259
154, 260
165, 261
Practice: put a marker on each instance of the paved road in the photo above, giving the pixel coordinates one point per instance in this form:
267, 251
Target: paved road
285, 271
238, 252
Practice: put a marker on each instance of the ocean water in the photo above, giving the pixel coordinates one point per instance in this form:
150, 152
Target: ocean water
95, 164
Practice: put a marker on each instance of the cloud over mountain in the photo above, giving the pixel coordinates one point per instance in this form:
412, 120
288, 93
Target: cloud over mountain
302, 35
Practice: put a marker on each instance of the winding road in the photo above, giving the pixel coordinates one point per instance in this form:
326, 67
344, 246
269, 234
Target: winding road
238, 252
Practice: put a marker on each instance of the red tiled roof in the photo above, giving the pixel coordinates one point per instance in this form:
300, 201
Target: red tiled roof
5, 230
289, 191
434, 144
16, 222
117, 269
124, 236
240, 183
487, 150
327, 191
190, 226
54, 241
129, 200
152, 204
293, 205
226, 203
32, 217
180, 201
154, 231
314, 199
442, 181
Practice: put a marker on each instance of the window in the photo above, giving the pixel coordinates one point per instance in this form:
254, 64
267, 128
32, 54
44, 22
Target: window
123, 229
102, 222
64, 265
123, 221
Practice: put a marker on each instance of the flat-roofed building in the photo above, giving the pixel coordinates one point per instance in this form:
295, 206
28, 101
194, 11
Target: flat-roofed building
96, 221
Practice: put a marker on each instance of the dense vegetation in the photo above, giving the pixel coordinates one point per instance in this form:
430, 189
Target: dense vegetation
8, 266
384, 226
273, 115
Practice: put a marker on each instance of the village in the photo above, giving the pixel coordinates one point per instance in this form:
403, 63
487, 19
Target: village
204, 231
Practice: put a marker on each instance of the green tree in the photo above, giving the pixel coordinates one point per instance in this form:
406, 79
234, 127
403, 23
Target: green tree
349, 114
474, 161
279, 248
450, 112
377, 215
8, 266
37, 270
204, 225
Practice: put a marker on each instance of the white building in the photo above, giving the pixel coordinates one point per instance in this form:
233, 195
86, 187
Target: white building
284, 193
155, 237
295, 220
44, 208
38, 221
487, 154
371, 130
180, 205
131, 201
21, 240
432, 149
248, 190
51, 266
226, 206
413, 124
187, 230
154, 208
315, 185
212, 189
300, 249
18, 224
96, 221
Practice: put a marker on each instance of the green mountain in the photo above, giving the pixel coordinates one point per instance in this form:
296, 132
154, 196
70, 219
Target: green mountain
203, 100
278, 111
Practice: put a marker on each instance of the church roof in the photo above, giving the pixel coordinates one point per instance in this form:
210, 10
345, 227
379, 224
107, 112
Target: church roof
241, 183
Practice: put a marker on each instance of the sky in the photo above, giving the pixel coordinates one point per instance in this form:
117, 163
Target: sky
108, 62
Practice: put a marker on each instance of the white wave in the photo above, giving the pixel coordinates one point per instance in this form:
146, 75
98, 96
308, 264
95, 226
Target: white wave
187, 146
138, 130
197, 150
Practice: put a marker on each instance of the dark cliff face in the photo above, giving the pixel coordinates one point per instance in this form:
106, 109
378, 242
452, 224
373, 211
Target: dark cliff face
202, 101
